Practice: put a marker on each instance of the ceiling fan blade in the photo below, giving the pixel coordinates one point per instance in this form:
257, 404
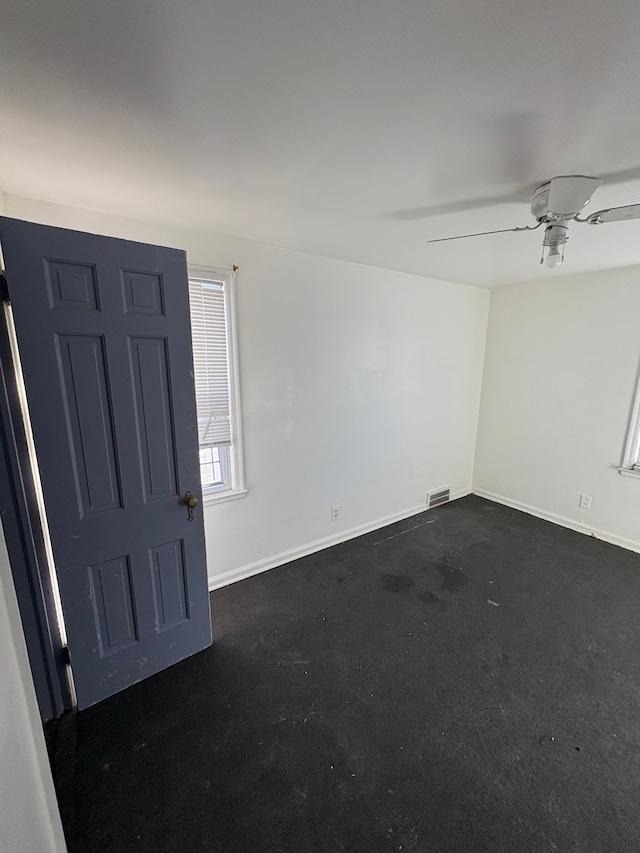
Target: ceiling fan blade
460, 206
622, 177
484, 233
515, 142
569, 194
614, 214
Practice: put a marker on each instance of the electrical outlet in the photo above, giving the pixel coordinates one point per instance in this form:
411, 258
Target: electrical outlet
585, 501
335, 512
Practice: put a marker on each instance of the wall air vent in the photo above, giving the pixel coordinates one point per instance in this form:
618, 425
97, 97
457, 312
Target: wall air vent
438, 496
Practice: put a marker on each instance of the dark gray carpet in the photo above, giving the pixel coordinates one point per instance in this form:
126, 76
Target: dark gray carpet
465, 680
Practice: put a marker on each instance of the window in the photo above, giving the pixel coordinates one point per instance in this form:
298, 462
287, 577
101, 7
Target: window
631, 459
211, 299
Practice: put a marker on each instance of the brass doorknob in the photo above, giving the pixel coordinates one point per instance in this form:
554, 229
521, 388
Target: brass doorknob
192, 502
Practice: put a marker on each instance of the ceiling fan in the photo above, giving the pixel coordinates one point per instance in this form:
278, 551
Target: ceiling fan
554, 205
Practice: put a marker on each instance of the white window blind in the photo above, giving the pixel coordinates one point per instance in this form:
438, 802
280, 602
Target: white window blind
211, 361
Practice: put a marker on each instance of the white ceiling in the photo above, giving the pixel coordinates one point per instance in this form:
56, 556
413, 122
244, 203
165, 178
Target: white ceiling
312, 124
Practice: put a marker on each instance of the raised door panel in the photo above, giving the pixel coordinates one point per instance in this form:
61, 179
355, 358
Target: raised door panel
87, 405
154, 416
169, 584
113, 600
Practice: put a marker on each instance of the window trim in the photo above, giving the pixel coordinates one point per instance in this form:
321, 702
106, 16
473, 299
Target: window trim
631, 459
236, 451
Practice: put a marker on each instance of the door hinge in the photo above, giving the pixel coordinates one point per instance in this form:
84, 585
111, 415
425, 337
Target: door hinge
66, 655
4, 288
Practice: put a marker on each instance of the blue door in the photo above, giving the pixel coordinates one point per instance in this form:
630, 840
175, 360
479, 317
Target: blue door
104, 338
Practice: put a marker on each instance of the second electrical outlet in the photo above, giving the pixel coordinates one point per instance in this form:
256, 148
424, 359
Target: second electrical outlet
335, 512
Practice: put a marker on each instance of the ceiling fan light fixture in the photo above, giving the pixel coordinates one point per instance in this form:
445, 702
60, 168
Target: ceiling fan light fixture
554, 258
555, 237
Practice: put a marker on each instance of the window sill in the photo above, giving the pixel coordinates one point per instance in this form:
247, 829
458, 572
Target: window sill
628, 472
223, 497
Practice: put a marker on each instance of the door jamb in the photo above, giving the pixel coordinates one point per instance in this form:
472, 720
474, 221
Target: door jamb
25, 542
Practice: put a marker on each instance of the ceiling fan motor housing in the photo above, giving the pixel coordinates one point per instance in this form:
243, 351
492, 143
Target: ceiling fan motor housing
540, 203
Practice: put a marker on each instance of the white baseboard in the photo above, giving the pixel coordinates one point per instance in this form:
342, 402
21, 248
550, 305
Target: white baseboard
563, 521
318, 545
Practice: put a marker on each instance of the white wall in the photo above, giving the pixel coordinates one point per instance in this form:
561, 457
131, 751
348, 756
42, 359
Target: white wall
359, 386
561, 366
29, 818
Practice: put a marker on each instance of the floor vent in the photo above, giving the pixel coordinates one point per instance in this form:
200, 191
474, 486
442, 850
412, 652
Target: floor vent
438, 496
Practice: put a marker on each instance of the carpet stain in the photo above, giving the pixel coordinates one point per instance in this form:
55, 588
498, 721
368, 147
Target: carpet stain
396, 583
433, 600
453, 579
